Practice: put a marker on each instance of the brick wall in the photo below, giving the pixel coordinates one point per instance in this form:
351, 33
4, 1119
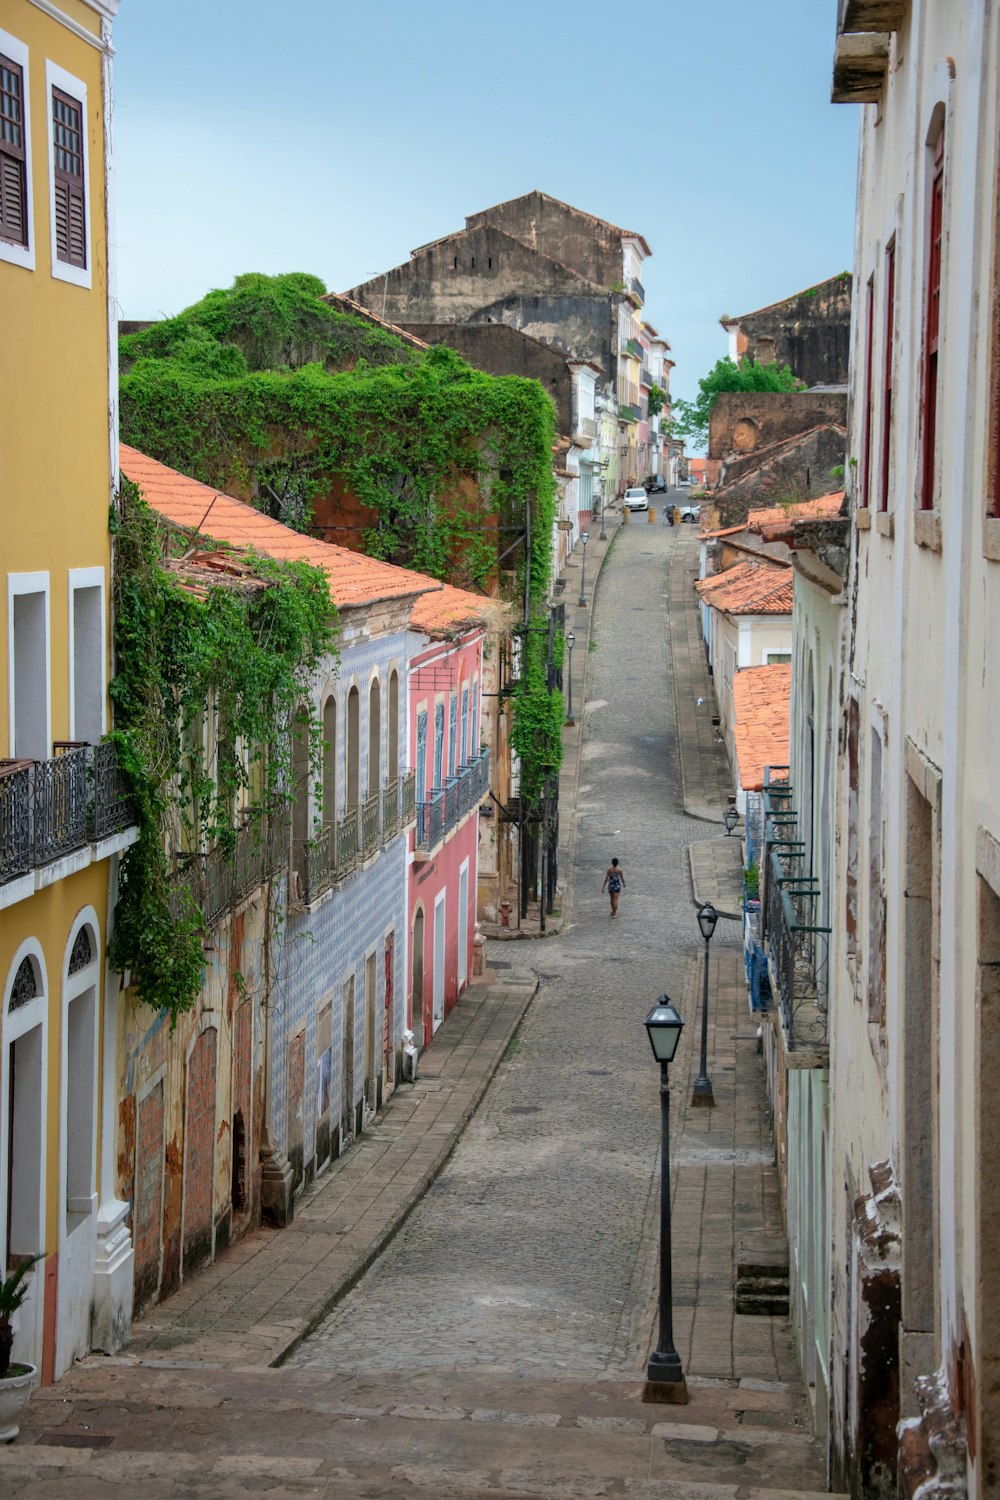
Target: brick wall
199, 1150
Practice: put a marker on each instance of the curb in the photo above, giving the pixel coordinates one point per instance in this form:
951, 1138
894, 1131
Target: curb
366, 1259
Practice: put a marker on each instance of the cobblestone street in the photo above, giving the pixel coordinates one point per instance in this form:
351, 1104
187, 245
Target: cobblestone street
498, 1344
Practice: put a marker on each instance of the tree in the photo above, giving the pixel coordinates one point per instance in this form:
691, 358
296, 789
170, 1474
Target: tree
689, 419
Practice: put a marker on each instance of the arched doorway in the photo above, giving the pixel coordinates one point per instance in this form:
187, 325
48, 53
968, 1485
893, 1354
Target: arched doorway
22, 1135
78, 1144
417, 978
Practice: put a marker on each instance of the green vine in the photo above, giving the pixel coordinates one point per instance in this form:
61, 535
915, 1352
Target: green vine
211, 677
269, 393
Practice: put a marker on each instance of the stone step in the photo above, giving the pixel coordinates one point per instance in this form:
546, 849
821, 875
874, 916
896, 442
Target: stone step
762, 1278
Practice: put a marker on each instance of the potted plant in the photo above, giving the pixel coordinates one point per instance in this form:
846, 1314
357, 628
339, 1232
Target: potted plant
16, 1381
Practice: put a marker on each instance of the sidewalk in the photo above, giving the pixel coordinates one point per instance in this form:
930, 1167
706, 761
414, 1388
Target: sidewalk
255, 1303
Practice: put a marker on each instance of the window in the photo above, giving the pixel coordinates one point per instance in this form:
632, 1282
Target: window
773, 658
86, 702
13, 154
465, 725
16, 222
392, 728
475, 716
374, 737
28, 665
421, 754
438, 744
932, 328
67, 153
353, 749
890, 316
330, 760
866, 467
68, 171
453, 735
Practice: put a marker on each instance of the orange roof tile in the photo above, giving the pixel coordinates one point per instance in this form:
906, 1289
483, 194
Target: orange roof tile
449, 610
761, 702
803, 510
750, 588
354, 579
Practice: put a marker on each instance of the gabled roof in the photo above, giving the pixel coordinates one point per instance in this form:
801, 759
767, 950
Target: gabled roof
761, 705
355, 580
750, 588
628, 234
451, 611
783, 301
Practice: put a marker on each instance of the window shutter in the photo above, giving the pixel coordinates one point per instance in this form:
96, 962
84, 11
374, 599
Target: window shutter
70, 207
13, 183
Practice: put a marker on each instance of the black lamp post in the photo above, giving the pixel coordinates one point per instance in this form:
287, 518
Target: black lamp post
570, 643
664, 1374
731, 819
702, 1091
584, 538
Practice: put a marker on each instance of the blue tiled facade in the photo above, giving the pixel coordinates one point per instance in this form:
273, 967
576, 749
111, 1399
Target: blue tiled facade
321, 949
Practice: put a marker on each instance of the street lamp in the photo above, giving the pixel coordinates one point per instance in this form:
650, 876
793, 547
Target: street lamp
664, 1375
584, 538
702, 1092
731, 819
570, 643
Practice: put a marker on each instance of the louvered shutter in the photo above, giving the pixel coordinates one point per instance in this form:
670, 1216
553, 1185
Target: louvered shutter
13, 184
70, 206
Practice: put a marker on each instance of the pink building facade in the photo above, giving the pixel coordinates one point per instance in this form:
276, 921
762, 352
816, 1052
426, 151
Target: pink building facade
452, 780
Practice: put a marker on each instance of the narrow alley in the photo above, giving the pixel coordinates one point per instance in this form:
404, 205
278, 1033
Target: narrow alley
499, 1343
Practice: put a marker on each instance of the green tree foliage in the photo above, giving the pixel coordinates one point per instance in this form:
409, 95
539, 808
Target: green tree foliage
689, 419
656, 399
268, 392
243, 654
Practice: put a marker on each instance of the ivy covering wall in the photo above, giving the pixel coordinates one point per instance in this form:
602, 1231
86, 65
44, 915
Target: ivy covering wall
268, 392
209, 680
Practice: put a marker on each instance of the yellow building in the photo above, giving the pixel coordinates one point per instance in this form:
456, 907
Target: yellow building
63, 817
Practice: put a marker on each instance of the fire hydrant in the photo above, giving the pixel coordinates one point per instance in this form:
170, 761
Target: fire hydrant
505, 913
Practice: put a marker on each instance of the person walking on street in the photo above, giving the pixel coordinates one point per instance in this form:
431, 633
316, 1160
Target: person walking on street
614, 879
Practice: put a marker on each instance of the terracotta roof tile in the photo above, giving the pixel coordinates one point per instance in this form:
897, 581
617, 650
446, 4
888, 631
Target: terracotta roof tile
803, 510
750, 588
761, 703
450, 610
354, 579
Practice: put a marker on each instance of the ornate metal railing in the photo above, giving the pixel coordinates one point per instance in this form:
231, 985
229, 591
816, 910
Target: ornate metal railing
448, 805
408, 799
799, 950
112, 806
636, 286
15, 818
390, 811
59, 803
225, 876
370, 822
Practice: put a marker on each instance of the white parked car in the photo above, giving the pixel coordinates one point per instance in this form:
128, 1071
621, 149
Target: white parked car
635, 499
690, 512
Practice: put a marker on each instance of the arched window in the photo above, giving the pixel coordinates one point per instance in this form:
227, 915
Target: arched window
392, 728
374, 738
330, 760
300, 776
353, 748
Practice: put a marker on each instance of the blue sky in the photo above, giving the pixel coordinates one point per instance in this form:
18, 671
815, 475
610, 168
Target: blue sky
333, 136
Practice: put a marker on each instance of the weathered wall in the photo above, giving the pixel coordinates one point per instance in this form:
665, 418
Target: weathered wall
800, 470
744, 421
500, 349
590, 246
810, 332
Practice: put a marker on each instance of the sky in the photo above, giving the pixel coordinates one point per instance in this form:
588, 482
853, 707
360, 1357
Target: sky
334, 136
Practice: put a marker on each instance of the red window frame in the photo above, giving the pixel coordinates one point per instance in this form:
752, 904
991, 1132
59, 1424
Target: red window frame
887, 371
932, 328
13, 156
866, 467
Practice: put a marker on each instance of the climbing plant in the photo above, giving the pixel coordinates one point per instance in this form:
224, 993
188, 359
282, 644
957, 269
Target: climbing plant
269, 392
210, 676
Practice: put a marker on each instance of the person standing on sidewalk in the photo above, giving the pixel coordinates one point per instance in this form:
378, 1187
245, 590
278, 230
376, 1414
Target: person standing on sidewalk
614, 879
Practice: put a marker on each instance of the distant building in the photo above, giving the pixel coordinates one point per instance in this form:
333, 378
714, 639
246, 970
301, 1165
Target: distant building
809, 332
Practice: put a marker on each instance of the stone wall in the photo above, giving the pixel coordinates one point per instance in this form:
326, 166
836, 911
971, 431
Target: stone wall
797, 470
743, 421
810, 332
500, 349
590, 246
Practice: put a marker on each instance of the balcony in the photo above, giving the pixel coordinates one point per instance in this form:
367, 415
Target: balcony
371, 814
797, 947
449, 805
329, 857
217, 881
70, 805
646, 377
636, 290
408, 800
586, 427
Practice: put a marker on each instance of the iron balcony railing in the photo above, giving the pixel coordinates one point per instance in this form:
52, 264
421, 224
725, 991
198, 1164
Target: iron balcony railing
371, 810
329, 857
49, 808
646, 376
447, 806
215, 882
408, 800
390, 811
636, 286
799, 953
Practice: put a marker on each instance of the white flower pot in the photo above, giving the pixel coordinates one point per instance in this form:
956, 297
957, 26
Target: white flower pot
14, 1393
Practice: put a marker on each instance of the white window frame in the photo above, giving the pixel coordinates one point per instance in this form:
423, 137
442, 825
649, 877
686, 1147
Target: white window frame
87, 578
21, 255
17, 584
56, 77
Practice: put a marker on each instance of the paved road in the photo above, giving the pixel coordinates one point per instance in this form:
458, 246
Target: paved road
524, 1255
